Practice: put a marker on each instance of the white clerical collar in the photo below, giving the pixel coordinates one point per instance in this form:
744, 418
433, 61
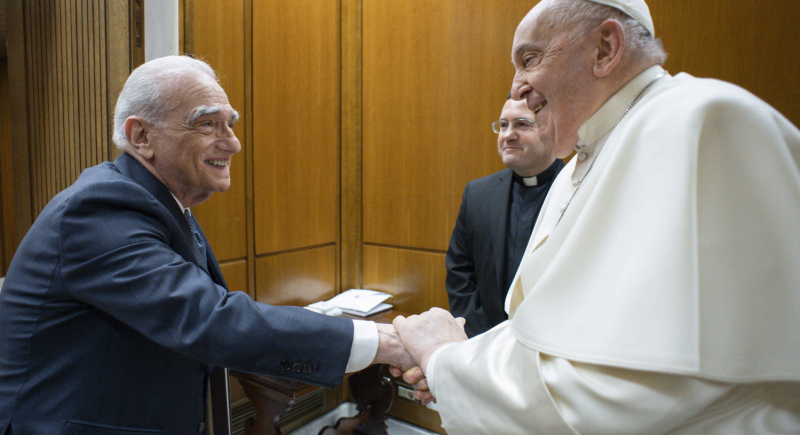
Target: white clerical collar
530, 181
608, 115
183, 209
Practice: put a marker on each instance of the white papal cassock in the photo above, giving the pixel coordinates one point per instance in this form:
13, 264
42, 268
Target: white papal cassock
666, 299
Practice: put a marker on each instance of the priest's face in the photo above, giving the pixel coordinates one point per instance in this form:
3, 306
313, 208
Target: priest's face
554, 77
522, 151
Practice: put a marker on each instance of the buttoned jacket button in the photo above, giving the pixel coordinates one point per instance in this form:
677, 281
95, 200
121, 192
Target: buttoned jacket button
307, 369
201, 428
582, 156
296, 367
286, 365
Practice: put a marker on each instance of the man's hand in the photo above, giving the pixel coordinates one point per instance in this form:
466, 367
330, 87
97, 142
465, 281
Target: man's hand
417, 379
425, 333
391, 350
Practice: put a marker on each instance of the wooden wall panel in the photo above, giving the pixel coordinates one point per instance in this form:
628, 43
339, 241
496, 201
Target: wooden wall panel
235, 273
298, 277
223, 217
6, 180
295, 123
414, 278
750, 43
67, 92
351, 152
16, 166
434, 79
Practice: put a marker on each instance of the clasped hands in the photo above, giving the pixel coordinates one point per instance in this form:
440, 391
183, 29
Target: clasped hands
408, 343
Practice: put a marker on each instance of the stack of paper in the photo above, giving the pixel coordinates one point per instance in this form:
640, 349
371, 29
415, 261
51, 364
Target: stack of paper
361, 302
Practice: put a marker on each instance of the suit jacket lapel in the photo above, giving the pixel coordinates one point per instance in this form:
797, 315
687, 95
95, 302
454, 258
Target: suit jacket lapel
499, 220
134, 170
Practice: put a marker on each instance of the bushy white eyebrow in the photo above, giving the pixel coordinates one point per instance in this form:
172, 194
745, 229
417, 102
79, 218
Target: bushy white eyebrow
210, 110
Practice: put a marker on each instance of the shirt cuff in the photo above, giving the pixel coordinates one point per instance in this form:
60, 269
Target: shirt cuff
432, 364
365, 345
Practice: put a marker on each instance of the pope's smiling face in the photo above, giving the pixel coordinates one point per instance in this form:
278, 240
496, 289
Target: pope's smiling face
554, 76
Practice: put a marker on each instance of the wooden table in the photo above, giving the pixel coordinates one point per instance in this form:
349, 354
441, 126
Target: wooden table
271, 397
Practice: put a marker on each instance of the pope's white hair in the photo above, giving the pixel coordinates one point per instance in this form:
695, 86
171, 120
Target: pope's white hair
146, 94
585, 15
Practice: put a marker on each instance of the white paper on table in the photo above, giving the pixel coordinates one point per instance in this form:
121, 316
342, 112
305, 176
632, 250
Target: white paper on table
359, 299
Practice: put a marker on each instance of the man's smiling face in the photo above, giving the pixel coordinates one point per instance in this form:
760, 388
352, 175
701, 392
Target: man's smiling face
522, 151
194, 145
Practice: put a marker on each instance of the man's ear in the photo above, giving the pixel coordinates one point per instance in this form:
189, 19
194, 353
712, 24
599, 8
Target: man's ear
610, 48
138, 132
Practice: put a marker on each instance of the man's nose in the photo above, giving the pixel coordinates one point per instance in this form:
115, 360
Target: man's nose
229, 140
509, 133
519, 88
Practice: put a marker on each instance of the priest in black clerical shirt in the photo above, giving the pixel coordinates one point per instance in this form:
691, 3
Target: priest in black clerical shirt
497, 215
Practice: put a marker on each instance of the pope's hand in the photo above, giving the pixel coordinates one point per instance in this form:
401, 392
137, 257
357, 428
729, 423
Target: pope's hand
425, 333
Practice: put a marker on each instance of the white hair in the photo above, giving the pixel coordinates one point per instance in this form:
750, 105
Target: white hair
146, 94
585, 15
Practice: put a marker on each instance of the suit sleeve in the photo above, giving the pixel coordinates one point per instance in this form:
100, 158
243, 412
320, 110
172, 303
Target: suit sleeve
461, 284
122, 253
494, 384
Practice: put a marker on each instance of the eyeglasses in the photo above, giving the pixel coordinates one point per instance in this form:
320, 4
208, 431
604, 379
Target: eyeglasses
519, 124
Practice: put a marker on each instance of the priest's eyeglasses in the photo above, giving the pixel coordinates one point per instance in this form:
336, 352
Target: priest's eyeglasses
519, 124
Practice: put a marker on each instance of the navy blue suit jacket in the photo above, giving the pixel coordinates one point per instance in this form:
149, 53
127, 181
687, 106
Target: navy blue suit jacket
110, 322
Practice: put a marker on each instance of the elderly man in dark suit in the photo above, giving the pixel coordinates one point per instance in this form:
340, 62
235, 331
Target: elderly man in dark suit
114, 309
494, 224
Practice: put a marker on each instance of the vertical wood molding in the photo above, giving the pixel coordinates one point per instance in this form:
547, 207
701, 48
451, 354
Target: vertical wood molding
19, 196
137, 32
6, 167
351, 249
187, 27
118, 66
248, 148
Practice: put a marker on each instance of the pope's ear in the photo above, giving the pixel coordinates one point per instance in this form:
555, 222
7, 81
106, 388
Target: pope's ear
611, 44
138, 132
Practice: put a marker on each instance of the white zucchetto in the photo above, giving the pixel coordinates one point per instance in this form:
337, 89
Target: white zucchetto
636, 9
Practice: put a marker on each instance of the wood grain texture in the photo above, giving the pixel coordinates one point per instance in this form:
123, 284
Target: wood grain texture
66, 85
434, 80
6, 170
295, 123
235, 273
223, 216
17, 196
414, 278
118, 64
298, 277
749, 43
351, 162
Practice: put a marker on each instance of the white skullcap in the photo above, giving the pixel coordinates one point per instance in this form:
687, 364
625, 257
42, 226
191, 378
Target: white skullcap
636, 9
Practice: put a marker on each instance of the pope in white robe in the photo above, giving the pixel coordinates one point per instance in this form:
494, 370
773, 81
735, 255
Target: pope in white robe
660, 290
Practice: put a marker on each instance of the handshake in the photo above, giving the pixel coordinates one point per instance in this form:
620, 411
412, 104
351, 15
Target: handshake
408, 343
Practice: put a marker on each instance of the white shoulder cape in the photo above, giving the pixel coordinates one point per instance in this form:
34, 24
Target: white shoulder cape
680, 252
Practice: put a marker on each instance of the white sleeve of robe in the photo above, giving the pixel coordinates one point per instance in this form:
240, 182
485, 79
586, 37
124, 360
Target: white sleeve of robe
526, 392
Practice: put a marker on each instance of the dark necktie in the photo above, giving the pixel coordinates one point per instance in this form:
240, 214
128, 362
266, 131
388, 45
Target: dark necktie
197, 237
